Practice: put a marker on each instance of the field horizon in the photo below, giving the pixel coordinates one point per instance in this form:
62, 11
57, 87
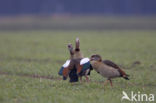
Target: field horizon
31, 56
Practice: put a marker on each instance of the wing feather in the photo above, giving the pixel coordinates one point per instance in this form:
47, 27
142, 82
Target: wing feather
115, 66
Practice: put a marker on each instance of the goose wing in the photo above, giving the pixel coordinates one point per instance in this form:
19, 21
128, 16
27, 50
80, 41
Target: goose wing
115, 66
110, 63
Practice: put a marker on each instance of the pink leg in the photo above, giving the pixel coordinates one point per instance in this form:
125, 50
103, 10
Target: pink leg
105, 82
111, 82
80, 79
87, 79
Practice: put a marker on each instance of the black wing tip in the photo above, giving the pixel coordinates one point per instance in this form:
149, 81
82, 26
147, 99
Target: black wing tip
126, 78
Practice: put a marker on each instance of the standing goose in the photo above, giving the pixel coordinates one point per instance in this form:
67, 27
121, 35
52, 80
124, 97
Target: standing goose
78, 61
77, 65
69, 67
107, 68
75, 58
74, 65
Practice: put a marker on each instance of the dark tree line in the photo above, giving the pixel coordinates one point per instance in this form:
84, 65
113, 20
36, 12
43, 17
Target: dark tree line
13, 7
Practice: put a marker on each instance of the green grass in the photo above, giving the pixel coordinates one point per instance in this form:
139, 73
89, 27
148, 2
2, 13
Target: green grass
43, 53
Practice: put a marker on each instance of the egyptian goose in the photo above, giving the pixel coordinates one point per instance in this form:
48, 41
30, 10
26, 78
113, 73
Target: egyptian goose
82, 64
77, 65
69, 67
107, 68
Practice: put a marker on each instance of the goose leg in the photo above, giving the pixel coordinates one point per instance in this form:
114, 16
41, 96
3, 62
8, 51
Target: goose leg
81, 79
87, 79
106, 82
111, 82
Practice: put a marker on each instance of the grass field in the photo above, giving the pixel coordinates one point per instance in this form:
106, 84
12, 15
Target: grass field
30, 61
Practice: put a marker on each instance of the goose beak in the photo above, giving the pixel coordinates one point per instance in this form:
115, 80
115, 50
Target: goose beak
69, 45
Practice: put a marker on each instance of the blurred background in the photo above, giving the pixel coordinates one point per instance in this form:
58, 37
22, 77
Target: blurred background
34, 35
77, 14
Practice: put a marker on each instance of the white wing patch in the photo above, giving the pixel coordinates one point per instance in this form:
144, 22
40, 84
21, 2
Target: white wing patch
84, 60
66, 64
